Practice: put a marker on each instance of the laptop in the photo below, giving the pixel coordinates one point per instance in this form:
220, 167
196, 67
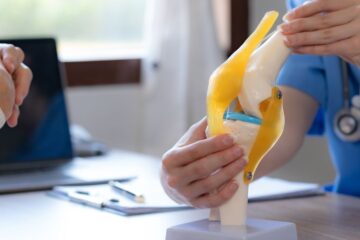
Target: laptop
38, 153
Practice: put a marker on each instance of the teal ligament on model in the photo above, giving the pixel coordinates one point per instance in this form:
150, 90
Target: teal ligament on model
242, 117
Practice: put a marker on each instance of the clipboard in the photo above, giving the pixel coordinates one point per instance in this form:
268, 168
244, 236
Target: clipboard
103, 197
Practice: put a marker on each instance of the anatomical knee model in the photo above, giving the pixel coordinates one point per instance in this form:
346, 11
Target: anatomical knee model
242, 92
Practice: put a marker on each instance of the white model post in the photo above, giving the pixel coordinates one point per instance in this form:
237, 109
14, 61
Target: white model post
234, 211
262, 70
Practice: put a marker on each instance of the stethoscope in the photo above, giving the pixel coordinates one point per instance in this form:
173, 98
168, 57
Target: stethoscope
347, 120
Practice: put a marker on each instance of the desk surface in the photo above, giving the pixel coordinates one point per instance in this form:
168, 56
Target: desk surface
37, 216
324, 217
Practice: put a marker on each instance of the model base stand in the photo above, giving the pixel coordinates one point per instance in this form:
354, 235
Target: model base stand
255, 229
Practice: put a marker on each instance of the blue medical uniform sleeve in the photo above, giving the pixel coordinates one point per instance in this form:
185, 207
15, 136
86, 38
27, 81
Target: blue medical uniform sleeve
294, 3
306, 74
318, 125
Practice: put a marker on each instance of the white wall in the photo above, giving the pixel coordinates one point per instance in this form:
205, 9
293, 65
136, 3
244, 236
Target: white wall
110, 113
259, 7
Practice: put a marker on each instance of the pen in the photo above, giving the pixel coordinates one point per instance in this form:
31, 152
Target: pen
136, 197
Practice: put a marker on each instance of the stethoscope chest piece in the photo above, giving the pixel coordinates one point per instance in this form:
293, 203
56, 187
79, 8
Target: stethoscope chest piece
346, 125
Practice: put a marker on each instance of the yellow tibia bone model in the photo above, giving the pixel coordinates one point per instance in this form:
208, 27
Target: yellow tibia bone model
248, 77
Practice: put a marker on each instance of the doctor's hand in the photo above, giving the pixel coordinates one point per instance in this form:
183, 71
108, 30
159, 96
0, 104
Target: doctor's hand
15, 80
198, 171
325, 27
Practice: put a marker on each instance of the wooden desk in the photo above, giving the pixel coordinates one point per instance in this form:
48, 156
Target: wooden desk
37, 216
316, 218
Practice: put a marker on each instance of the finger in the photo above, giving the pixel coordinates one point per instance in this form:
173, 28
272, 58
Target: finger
320, 37
13, 119
184, 155
316, 50
215, 181
320, 21
209, 164
195, 133
340, 48
181, 177
317, 6
216, 199
12, 57
23, 77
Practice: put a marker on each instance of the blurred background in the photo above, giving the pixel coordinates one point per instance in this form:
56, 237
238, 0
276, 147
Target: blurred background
106, 28
137, 70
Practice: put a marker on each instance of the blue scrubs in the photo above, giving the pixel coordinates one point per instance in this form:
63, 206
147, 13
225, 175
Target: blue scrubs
320, 78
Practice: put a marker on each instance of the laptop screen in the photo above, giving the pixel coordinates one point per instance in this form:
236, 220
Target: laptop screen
42, 134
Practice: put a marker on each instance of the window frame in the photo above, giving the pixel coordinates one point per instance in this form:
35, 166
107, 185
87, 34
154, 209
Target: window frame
239, 15
103, 72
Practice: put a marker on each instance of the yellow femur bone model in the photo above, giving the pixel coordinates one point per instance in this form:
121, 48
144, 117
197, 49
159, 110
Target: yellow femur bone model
246, 80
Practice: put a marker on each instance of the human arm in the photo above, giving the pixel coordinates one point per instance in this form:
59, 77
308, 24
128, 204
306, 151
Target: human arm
325, 27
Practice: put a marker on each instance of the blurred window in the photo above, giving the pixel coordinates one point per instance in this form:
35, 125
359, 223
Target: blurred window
85, 29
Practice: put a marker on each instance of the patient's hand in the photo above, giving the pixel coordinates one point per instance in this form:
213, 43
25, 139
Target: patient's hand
198, 171
15, 79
